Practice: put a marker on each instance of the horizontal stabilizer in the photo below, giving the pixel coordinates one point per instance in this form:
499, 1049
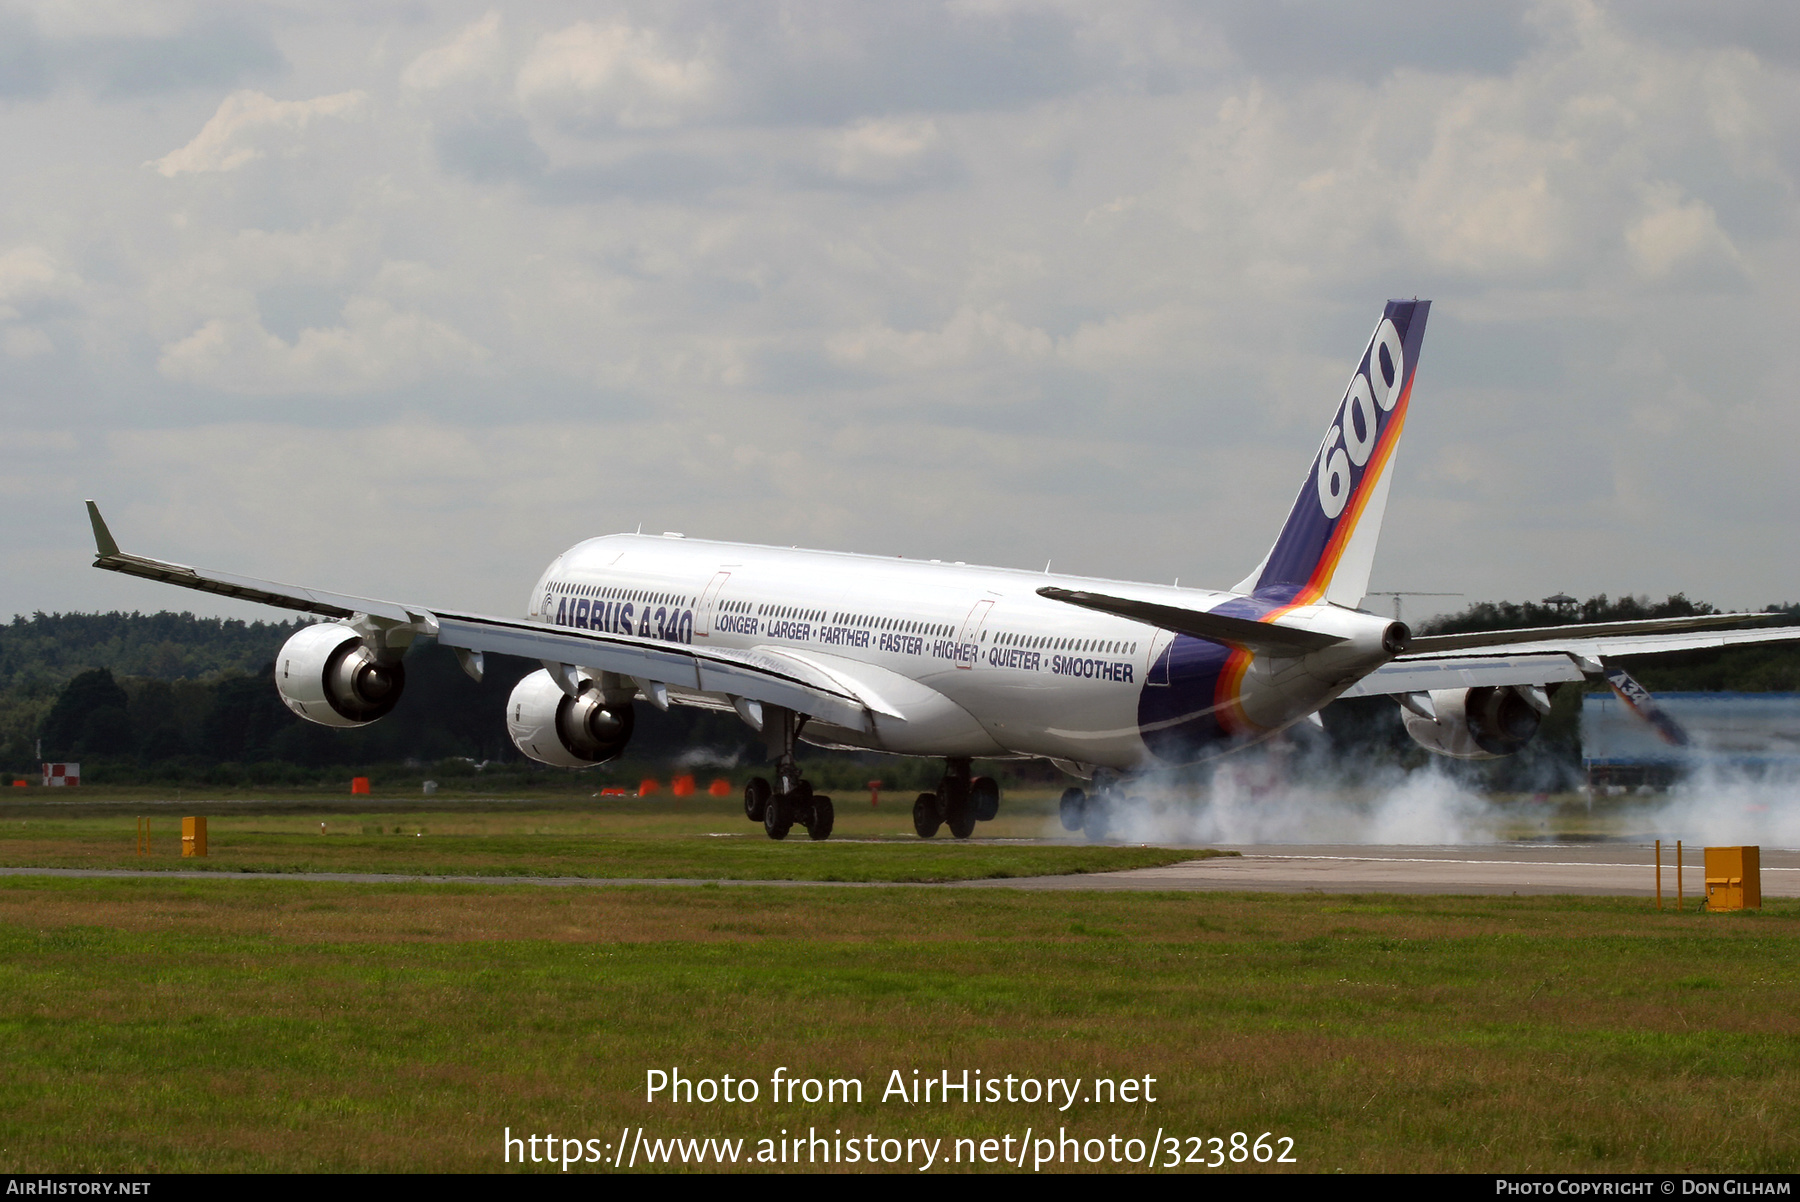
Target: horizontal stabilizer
1258, 636
1430, 644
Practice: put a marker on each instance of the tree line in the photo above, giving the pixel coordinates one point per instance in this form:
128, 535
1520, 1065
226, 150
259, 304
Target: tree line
173, 696
1756, 668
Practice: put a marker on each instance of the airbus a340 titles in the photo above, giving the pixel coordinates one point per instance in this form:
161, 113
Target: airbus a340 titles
1107, 679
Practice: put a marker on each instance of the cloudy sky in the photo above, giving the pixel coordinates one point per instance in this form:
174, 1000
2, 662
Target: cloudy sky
402, 299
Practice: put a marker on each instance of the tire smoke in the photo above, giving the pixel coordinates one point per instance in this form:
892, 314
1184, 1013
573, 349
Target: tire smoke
1719, 805
1252, 798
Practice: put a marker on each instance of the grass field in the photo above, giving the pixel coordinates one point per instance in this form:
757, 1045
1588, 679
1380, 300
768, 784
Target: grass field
257, 1022
262, 1023
694, 838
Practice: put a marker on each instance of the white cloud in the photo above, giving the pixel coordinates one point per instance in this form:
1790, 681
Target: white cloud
969, 337
612, 74
230, 138
29, 272
1484, 201
42, 442
30, 278
25, 342
1123, 303
475, 51
885, 151
1129, 339
108, 18
1673, 232
378, 346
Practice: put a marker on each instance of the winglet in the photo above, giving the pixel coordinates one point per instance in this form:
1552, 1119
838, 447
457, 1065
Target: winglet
103, 539
1639, 701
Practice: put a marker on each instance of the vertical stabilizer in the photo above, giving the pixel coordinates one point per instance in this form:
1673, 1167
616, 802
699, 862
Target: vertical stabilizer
1327, 547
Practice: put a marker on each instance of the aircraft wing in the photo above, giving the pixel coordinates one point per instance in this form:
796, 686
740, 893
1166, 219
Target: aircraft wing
1464, 672
715, 670
728, 673
1578, 642
1559, 637
267, 592
1549, 660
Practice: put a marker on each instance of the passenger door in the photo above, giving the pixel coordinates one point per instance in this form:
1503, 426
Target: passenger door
971, 631
709, 604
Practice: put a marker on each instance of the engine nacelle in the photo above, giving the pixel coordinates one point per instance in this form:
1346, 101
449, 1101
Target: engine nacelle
328, 675
1475, 724
570, 732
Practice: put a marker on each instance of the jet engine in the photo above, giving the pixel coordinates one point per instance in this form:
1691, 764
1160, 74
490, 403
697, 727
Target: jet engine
327, 674
570, 732
1475, 724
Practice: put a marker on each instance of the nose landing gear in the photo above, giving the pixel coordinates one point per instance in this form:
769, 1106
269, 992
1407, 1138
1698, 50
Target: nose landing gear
781, 809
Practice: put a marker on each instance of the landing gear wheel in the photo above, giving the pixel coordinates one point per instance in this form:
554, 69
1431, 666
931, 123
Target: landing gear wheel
962, 818
925, 815
823, 815
756, 798
778, 816
984, 796
1094, 819
1072, 808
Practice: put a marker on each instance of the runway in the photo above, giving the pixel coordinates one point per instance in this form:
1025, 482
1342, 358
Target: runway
1595, 869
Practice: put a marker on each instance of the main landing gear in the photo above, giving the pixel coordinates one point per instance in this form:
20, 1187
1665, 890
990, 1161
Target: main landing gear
790, 799
960, 802
1090, 813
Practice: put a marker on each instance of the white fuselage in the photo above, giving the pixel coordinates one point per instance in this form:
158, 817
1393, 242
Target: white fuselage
970, 661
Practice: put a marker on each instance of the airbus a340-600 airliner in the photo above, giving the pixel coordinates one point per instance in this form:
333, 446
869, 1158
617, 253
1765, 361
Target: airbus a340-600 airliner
1104, 678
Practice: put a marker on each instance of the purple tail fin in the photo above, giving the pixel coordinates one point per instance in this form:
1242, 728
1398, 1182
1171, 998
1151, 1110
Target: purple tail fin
1327, 547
